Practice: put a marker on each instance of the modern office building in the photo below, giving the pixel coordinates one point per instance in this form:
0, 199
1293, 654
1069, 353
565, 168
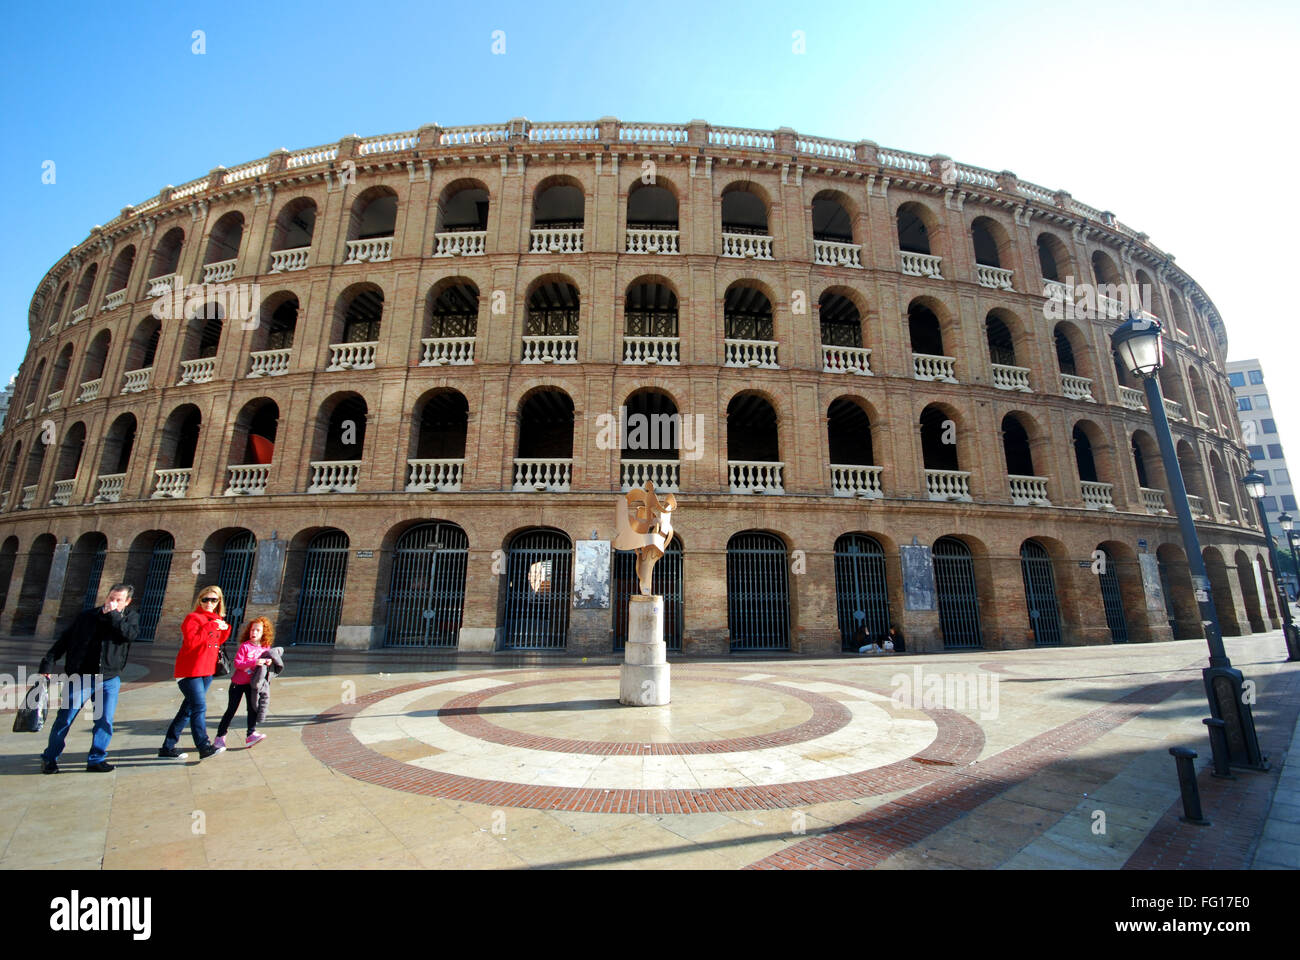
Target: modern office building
388, 392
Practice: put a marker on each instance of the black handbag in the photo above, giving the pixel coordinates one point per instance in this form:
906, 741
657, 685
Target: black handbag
31, 715
223, 662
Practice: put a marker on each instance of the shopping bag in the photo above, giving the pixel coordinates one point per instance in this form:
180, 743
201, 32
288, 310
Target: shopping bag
31, 713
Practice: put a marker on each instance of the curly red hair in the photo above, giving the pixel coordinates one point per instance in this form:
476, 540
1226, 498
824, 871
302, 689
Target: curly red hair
268, 631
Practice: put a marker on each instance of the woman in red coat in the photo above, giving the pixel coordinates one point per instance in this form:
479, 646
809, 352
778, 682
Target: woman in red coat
202, 633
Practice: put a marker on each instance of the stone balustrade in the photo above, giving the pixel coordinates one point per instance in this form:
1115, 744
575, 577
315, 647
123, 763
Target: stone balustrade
747, 246
653, 241
1006, 377
219, 271
829, 253
373, 250
548, 474
53, 400
352, 356
750, 353
664, 474
171, 484
136, 381
434, 476
995, 278
755, 476
28, 411
62, 493
1098, 496
441, 351
286, 261
29, 497
1154, 501
1055, 290
109, 488
1077, 388
1028, 491
463, 243
926, 366
948, 484
559, 240
1132, 399
550, 350
161, 286
113, 300
1203, 419
90, 390
269, 363
78, 315
1173, 409
846, 360
248, 479
853, 480
197, 371
1198, 506
921, 264
651, 350
334, 476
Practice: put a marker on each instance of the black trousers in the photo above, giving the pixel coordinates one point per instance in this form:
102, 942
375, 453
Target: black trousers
237, 691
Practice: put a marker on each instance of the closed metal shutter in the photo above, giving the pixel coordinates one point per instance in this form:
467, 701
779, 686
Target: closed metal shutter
426, 596
758, 592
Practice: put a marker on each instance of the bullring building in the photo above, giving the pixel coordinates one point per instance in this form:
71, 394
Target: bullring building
387, 392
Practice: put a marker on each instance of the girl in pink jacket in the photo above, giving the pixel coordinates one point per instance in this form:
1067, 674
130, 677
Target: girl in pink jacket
258, 634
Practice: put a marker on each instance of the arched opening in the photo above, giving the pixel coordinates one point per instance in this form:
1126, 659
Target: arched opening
234, 571
273, 339
650, 207
545, 445
69, 462
832, 221
358, 315
426, 593
1053, 258
1181, 607
450, 312
1104, 270
92, 373
861, 588
924, 330
440, 425
8, 560
744, 210
202, 341
666, 582
140, 354
11, 475
167, 254
840, 320
1112, 600
1249, 593
1040, 594
1193, 478
758, 592
252, 446
651, 441
650, 322
32, 476
959, 603
462, 208
176, 450
31, 596
82, 297
324, 580
56, 311
753, 445
373, 215
938, 439
59, 378
148, 565
1268, 584
223, 242
538, 590
81, 582
339, 444
558, 204
1084, 460
551, 322
748, 327
1015, 447
991, 243
294, 229
848, 428
120, 275
914, 229
115, 458
1002, 349
1221, 591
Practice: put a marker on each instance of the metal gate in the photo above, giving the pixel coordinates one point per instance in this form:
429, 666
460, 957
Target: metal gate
860, 586
539, 582
91, 597
320, 601
666, 581
1040, 594
234, 574
427, 594
758, 593
1112, 601
959, 604
155, 585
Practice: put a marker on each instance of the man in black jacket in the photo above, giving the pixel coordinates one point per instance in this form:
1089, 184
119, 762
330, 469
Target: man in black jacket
94, 647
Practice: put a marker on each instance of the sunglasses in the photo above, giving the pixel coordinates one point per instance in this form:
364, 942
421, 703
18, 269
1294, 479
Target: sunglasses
209, 600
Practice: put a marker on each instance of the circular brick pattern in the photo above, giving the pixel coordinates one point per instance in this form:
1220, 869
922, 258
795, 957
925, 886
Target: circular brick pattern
330, 739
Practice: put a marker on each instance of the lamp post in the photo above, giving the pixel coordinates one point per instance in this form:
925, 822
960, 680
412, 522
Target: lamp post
1256, 487
1286, 522
1138, 346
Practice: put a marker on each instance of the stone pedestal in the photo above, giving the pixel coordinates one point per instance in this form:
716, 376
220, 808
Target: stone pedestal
643, 677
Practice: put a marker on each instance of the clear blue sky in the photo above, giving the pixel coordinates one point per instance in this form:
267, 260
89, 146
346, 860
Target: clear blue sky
1178, 116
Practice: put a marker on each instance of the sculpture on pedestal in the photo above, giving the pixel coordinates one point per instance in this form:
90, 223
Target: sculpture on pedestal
645, 526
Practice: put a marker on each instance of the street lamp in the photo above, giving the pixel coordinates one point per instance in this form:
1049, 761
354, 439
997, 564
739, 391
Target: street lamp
1286, 522
1256, 486
1138, 346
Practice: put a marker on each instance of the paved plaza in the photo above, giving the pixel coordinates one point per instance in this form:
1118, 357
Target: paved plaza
1053, 758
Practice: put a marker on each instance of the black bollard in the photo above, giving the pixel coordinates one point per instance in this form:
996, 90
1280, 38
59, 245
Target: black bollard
1183, 757
1219, 748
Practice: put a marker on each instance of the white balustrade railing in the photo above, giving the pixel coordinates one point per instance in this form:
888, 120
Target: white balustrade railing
245, 171
374, 250
62, 494
1029, 491
1225, 512
742, 137
543, 474
1173, 409
755, 476
197, 371
218, 272
650, 350
312, 156
248, 479
1098, 496
1197, 505
4, 500
653, 132
550, 349
90, 390
948, 484
903, 160
556, 240
28, 411
1055, 290
1006, 377
981, 178
134, 381
466, 243
114, 300
822, 147
334, 476
750, 353
851, 480
1108, 308
171, 484
161, 286
434, 475
663, 474
53, 400
388, 143
29, 497
353, 356
440, 351
1132, 399
926, 366
921, 264
747, 245
110, 487
995, 278
653, 241
269, 363
79, 314
283, 261
563, 130
476, 133
1077, 388
1154, 501
846, 360
829, 253
1203, 419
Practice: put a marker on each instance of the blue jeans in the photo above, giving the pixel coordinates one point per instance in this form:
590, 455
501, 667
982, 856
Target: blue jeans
194, 709
103, 693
